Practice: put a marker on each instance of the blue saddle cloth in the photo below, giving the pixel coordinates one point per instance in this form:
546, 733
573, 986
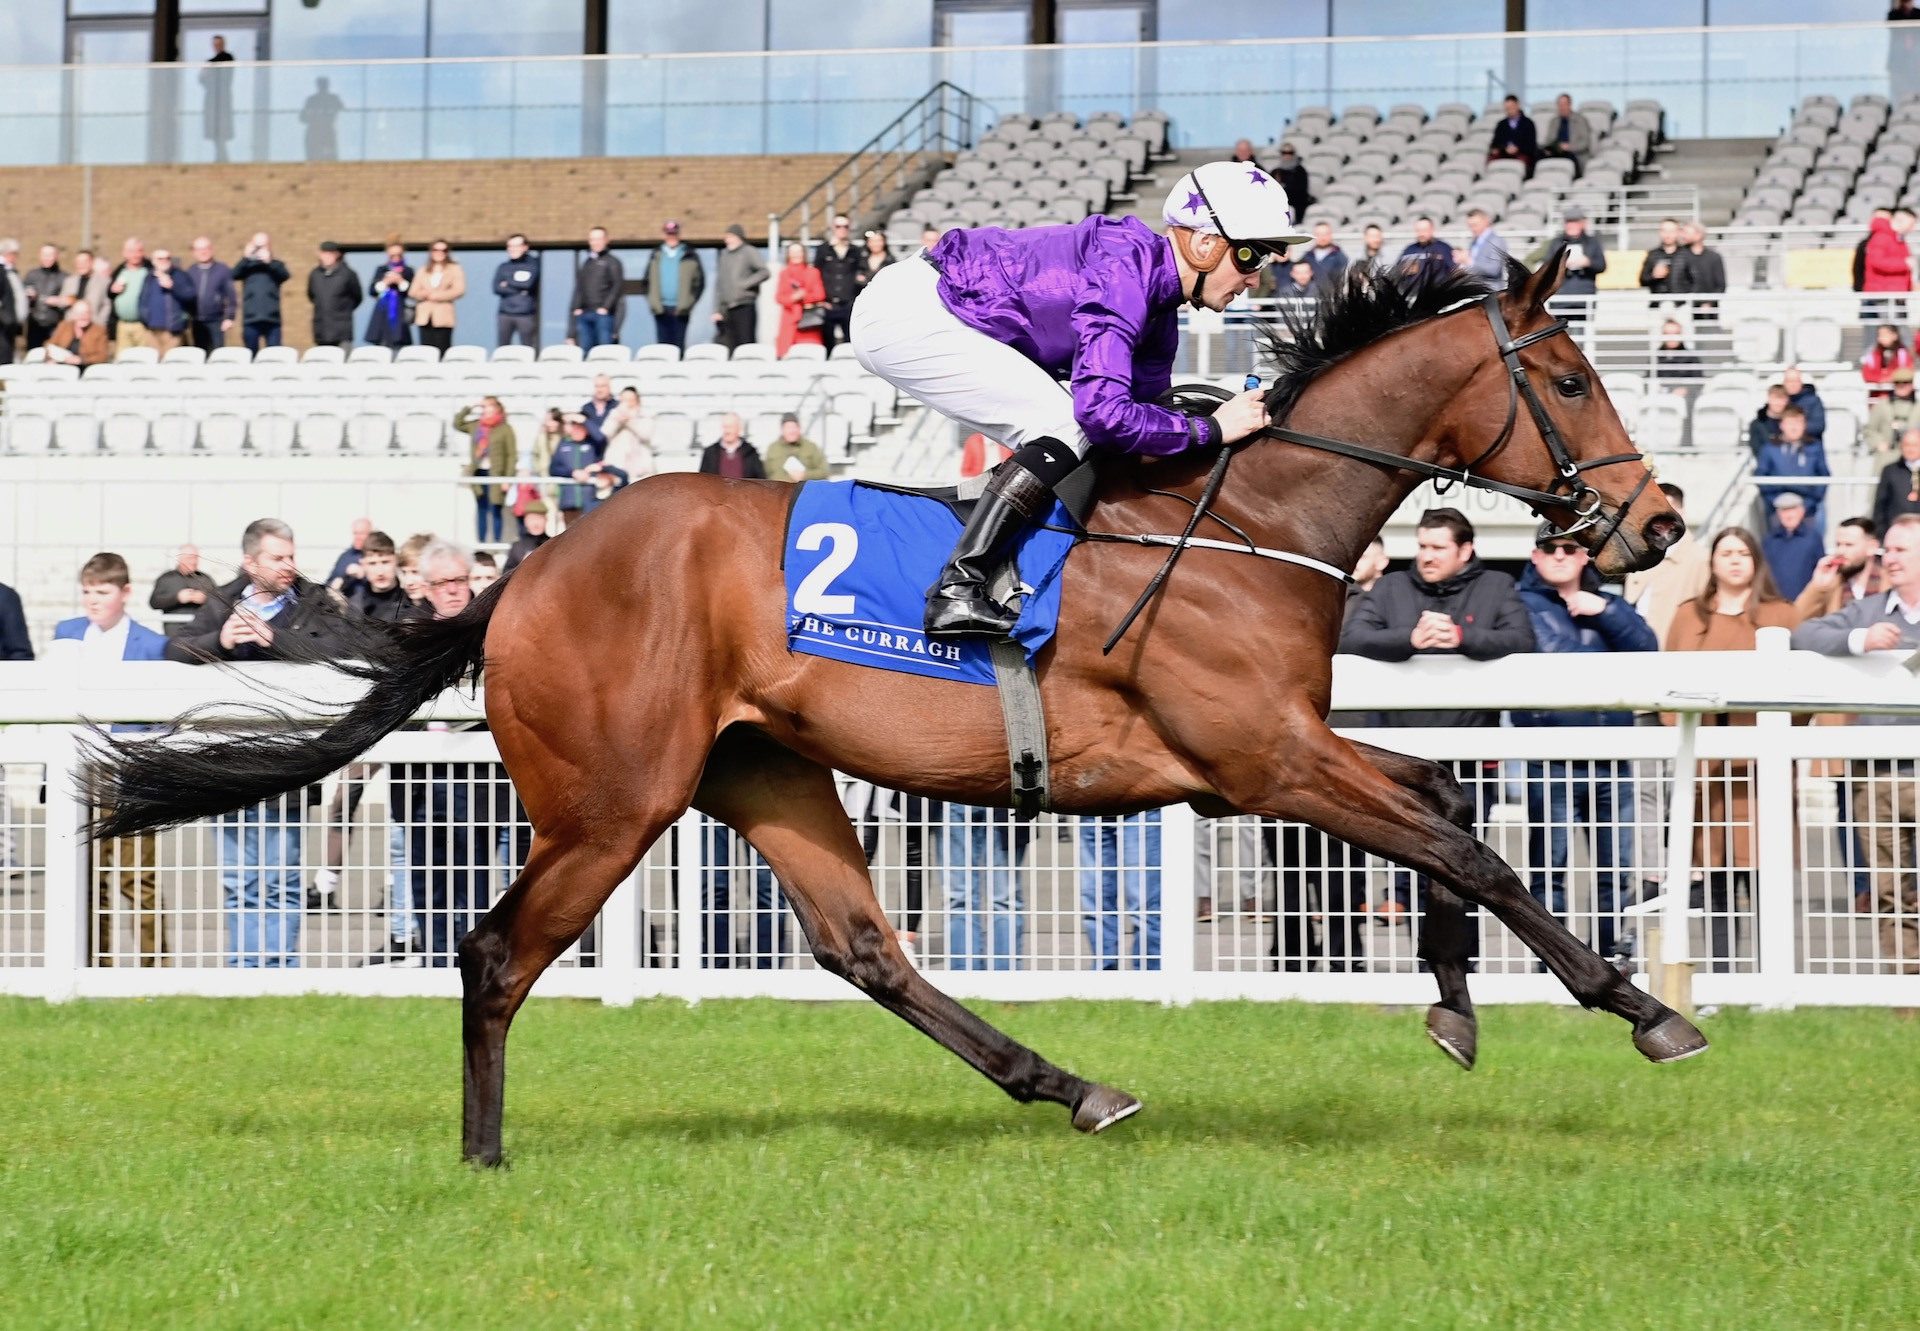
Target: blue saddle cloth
859, 560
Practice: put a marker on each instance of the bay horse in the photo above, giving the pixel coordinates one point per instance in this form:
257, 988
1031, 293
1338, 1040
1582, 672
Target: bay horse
639, 664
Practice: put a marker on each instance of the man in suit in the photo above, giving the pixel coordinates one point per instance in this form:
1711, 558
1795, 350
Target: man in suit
1513, 138
1883, 788
268, 613
124, 868
1564, 134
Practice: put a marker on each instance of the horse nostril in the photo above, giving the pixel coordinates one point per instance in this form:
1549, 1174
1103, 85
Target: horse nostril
1664, 531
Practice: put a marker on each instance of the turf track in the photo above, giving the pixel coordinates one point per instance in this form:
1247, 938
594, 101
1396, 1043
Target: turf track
293, 1163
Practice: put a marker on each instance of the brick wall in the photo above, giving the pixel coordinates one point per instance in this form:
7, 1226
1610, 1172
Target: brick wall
358, 204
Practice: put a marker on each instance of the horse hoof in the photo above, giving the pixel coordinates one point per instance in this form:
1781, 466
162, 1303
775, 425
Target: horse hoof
1102, 1107
1670, 1039
1457, 1035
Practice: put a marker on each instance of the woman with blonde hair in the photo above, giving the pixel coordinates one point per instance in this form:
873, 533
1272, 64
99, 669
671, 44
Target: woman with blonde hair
1740, 599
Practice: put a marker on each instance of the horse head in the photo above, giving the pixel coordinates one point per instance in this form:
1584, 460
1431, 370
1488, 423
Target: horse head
1563, 434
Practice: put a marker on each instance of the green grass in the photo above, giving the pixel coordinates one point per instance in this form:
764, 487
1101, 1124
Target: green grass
284, 1164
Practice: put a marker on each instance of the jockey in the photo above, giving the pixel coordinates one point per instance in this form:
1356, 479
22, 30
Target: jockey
985, 325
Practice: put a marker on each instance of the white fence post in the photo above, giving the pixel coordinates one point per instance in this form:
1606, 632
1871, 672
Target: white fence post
620, 939
689, 855
67, 878
1674, 985
1177, 898
1775, 865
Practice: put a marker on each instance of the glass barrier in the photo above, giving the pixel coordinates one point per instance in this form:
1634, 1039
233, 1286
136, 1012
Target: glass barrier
1713, 83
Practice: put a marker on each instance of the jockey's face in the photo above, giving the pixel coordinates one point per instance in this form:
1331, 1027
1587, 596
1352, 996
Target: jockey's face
1225, 284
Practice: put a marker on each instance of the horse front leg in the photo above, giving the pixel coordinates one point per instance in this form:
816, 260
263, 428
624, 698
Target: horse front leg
1446, 931
1334, 788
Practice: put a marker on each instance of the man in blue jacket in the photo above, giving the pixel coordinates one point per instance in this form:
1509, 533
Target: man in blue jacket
124, 867
517, 283
1571, 614
1795, 455
163, 308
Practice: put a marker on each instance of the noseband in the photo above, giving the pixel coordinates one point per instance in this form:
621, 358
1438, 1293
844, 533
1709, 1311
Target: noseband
1568, 490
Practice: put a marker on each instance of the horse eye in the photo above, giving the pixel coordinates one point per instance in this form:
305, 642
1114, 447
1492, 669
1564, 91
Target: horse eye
1572, 385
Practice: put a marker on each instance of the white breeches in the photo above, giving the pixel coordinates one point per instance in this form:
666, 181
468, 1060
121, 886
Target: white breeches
904, 333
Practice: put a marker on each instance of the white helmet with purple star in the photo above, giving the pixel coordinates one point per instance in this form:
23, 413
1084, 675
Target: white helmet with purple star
1236, 200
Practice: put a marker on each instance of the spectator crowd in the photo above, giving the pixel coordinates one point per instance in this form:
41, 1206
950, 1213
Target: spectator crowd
84, 310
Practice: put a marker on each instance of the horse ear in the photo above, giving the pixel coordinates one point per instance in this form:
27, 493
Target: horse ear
1543, 282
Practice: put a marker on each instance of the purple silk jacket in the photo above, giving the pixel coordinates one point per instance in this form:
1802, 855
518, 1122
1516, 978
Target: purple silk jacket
1098, 301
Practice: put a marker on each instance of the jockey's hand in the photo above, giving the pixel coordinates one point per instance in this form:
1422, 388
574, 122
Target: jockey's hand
1241, 416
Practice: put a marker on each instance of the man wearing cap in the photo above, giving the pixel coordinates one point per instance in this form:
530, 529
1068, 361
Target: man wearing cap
986, 325
1570, 613
793, 458
1792, 544
738, 274
573, 457
673, 285
1584, 257
334, 291
1890, 418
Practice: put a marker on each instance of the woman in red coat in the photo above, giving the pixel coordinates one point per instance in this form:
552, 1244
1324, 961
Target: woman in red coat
1888, 265
799, 290
1887, 354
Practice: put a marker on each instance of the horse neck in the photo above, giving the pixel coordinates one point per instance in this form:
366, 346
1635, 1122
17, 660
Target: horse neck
1391, 396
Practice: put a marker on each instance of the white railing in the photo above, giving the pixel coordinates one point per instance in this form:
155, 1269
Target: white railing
1777, 828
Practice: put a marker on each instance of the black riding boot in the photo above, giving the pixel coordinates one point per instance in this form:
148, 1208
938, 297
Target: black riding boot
1019, 491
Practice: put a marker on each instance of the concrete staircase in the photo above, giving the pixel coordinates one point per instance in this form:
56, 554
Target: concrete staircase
1721, 169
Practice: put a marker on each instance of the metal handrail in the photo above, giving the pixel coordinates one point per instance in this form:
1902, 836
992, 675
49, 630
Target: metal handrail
940, 122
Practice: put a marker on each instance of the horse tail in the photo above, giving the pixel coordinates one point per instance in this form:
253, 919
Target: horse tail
202, 767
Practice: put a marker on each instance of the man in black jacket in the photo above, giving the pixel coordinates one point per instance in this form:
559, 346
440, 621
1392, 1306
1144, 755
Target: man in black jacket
838, 260
335, 292
1514, 138
181, 590
260, 276
731, 455
1448, 603
597, 283
15, 645
517, 283
1585, 259
268, 613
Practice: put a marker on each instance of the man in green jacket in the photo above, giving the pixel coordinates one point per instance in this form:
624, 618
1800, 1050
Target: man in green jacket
792, 458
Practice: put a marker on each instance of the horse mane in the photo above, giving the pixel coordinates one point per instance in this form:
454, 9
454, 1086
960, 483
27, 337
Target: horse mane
1304, 343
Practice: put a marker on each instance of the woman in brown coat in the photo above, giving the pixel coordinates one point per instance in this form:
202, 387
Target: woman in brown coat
435, 288
1739, 601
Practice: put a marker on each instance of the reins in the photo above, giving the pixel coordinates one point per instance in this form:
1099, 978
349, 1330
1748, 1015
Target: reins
1568, 490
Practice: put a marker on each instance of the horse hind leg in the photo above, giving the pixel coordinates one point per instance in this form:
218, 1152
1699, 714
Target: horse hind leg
551, 903
1446, 931
787, 807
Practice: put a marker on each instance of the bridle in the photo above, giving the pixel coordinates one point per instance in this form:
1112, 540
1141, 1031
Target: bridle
1567, 490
